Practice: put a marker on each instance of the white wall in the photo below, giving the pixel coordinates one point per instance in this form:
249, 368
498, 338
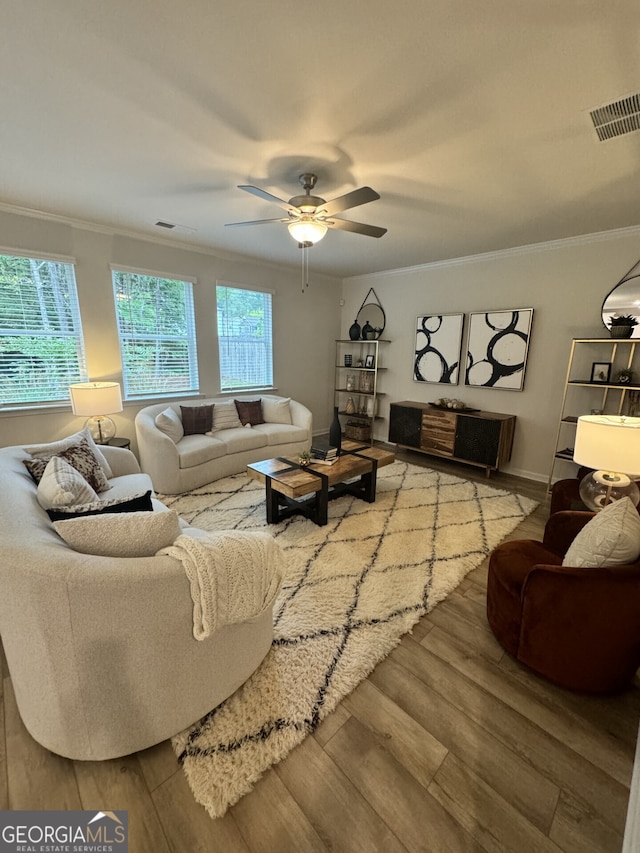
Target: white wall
564, 282
305, 324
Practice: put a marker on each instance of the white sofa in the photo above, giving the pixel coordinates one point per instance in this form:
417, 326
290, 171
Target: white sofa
101, 650
196, 460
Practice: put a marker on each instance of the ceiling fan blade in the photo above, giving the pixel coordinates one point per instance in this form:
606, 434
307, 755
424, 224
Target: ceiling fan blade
255, 222
356, 227
266, 196
343, 202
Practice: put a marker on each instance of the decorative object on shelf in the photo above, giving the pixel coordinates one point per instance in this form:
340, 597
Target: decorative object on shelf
366, 383
350, 408
457, 405
438, 348
600, 371
634, 404
348, 359
624, 377
354, 331
497, 348
368, 332
357, 431
611, 445
363, 406
304, 459
624, 299
359, 363
371, 407
369, 361
351, 382
371, 315
97, 399
335, 431
622, 326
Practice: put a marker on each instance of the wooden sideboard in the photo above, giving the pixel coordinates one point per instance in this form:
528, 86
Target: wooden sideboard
478, 438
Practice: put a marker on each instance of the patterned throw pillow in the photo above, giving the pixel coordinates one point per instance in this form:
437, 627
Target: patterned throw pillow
225, 416
197, 420
611, 538
54, 448
136, 503
81, 457
249, 412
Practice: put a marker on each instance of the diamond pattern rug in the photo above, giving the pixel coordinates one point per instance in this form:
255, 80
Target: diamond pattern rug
351, 590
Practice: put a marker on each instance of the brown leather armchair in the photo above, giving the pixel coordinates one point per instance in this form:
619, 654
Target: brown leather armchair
577, 627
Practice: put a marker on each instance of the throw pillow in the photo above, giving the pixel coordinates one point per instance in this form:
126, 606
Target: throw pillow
225, 416
53, 448
129, 534
170, 424
61, 485
136, 503
249, 412
197, 419
276, 411
611, 538
81, 457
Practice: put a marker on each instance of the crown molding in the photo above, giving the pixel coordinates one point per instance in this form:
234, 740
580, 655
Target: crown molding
533, 248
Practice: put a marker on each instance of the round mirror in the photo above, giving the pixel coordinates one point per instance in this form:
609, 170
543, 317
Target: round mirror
373, 314
623, 300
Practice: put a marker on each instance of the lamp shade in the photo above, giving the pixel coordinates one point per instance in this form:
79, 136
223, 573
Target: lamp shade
95, 398
608, 443
307, 230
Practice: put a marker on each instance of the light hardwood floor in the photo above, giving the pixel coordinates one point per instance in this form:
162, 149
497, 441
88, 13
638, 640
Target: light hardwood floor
449, 745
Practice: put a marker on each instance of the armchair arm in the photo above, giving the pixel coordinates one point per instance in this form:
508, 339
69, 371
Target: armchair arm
581, 627
562, 528
121, 460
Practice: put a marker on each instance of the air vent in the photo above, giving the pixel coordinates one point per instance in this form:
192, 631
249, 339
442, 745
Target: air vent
162, 224
617, 118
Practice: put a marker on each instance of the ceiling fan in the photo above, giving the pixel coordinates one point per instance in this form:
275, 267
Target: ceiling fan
309, 216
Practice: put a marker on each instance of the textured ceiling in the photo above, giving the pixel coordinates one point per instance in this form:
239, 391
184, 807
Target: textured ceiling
470, 119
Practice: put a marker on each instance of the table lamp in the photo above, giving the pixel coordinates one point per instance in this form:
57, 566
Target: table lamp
97, 399
611, 445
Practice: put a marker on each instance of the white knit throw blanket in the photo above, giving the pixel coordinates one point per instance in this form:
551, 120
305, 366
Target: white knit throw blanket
234, 576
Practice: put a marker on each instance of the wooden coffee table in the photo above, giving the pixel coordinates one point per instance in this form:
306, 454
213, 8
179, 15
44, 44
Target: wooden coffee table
292, 489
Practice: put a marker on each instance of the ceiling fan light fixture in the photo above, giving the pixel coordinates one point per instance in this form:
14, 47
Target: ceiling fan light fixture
307, 230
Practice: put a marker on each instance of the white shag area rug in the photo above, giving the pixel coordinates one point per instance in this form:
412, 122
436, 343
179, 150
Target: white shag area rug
351, 590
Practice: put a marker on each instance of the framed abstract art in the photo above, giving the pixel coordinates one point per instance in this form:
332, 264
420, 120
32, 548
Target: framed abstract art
497, 348
438, 348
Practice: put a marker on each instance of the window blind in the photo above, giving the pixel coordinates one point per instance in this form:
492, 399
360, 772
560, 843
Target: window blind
156, 327
245, 341
41, 344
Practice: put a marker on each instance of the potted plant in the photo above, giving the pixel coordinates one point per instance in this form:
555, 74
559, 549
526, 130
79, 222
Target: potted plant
622, 326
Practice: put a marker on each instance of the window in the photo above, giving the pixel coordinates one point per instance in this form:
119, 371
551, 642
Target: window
41, 346
244, 338
157, 334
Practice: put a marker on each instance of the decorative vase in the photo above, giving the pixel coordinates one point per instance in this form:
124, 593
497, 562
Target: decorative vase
335, 431
621, 331
368, 332
354, 331
350, 407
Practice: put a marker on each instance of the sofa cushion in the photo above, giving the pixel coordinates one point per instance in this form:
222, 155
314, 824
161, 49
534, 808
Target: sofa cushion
225, 416
129, 534
276, 411
196, 420
136, 503
249, 412
237, 440
54, 447
62, 485
170, 424
281, 433
611, 538
81, 457
128, 484
198, 449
